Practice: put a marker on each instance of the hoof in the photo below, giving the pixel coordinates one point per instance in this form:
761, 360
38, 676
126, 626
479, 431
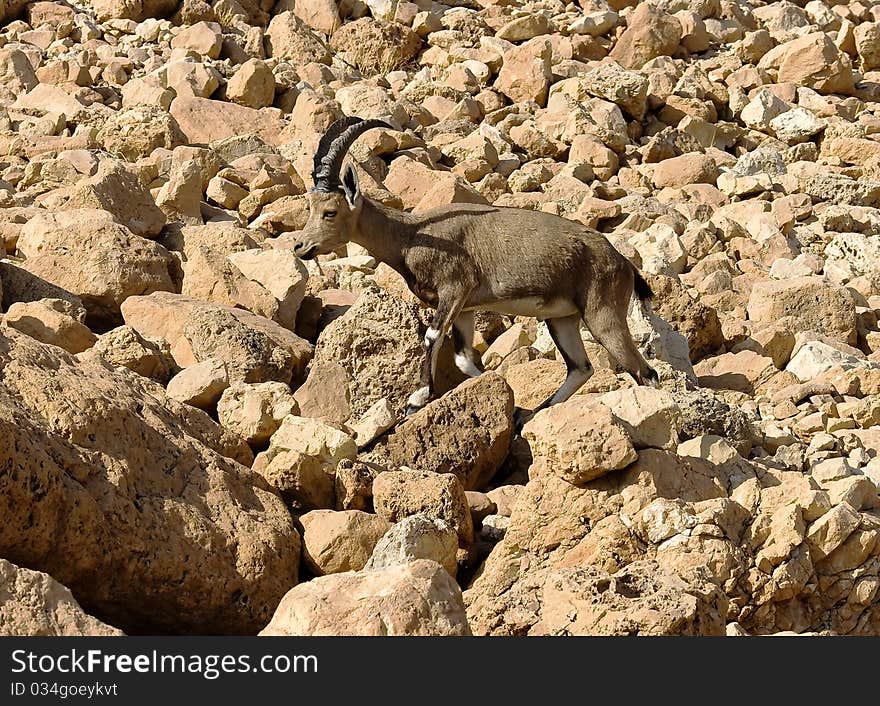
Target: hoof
520, 418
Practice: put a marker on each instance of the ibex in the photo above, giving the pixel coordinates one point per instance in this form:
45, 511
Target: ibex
459, 258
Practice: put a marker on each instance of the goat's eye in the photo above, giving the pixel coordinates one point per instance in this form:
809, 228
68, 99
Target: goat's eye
329, 214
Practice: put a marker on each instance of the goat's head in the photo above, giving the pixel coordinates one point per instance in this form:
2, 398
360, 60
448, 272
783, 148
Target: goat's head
335, 199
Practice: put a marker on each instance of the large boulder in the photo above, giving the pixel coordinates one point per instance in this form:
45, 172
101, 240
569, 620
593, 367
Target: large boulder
124, 496
378, 342
253, 348
806, 304
375, 45
116, 190
334, 542
34, 604
578, 440
420, 598
812, 60
288, 38
50, 321
640, 599
526, 72
202, 120
87, 253
649, 33
466, 432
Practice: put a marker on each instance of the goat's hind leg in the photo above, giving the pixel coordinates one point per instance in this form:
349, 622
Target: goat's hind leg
609, 326
463, 338
566, 334
448, 309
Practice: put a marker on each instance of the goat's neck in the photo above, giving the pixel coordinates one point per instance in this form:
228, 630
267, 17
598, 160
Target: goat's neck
383, 233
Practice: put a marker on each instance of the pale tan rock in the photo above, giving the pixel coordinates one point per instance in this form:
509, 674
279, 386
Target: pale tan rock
807, 303
376, 46
413, 538
253, 348
515, 337
649, 33
691, 168
578, 440
400, 494
300, 461
650, 416
137, 10
115, 189
253, 85
867, 44
109, 265
321, 15
50, 321
378, 342
505, 498
134, 133
210, 276
325, 393
336, 541
575, 601
374, 422
154, 484
180, 198
813, 61
202, 120
289, 38
744, 371
832, 529
33, 604
126, 348
200, 385
255, 411
205, 38
526, 72
466, 432
281, 273
420, 598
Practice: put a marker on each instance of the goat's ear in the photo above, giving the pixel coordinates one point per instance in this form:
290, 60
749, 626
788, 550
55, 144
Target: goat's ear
350, 187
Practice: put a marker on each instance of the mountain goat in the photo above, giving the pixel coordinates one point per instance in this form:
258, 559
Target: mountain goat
459, 258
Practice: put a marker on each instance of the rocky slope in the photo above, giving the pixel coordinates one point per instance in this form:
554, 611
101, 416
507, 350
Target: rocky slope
201, 434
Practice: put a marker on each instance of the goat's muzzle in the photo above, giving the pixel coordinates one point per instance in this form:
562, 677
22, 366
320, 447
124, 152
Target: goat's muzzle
305, 251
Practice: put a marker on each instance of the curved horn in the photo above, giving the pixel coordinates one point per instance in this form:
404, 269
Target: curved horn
326, 174
334, 131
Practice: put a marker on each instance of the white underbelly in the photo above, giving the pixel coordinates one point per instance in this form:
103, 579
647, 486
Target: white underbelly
538, 307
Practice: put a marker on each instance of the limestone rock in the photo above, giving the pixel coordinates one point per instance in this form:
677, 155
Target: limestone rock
111, 263
254, 411
649, 33
301, 460
466, 432
378, 342
337, 541
577, 440
413, 538
138, 481
124, 347
50, 321
400, 494
253, 348
420, 598
34, 604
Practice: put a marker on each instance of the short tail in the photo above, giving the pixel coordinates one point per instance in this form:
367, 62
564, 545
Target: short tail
642, 288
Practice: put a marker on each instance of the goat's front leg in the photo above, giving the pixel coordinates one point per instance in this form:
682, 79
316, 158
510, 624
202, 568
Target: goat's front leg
448, 309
